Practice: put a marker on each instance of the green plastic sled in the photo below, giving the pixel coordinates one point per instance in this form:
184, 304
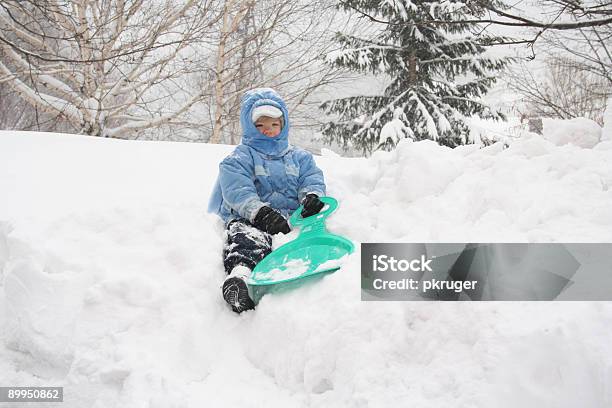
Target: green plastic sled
313, 253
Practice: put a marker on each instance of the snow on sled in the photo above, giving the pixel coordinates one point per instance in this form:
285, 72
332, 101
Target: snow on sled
313, 253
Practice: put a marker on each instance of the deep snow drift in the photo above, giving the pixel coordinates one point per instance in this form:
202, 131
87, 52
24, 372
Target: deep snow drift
111, 271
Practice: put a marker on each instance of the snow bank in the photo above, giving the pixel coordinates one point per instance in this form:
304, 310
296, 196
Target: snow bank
111, 272
581, 132
606, 132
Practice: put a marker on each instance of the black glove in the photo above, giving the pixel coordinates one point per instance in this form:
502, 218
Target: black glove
271, 221
312, 205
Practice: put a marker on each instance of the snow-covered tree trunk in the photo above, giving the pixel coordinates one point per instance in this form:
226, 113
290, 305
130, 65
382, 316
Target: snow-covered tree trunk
232, 19
100, 64
278, 44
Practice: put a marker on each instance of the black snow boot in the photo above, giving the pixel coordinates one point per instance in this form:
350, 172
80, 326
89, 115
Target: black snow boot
236, 293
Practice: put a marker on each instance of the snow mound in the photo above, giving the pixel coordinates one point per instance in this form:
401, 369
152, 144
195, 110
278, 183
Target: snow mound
111, 276
581, 132
606, 133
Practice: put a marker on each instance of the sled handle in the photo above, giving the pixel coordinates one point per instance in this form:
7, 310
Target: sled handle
297, 219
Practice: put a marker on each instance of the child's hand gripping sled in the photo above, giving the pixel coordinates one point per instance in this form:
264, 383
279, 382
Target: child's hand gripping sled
314, 252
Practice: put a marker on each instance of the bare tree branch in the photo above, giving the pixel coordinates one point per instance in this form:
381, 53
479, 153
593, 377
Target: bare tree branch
100, 64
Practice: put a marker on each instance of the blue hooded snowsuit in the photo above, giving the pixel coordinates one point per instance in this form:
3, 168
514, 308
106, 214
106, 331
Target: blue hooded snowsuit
262, 170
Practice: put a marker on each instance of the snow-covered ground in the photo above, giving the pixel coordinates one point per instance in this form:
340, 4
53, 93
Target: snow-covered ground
111, 270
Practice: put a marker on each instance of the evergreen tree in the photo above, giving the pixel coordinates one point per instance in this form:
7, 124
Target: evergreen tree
438, 73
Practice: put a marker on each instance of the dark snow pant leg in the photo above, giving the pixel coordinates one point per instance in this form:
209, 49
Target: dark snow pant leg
245, 245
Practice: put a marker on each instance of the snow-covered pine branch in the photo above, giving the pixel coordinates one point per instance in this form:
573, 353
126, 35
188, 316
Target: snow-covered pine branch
438, 75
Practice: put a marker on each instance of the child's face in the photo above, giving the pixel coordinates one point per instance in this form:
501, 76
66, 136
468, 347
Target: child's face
270, 127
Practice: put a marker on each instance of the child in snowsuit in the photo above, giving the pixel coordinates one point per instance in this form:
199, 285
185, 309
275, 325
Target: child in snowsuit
260, 184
